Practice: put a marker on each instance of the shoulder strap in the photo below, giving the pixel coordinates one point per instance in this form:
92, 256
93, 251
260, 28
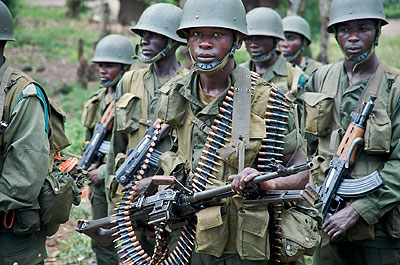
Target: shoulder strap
241, 115
292, 93
241, 107
373, 84
3, 87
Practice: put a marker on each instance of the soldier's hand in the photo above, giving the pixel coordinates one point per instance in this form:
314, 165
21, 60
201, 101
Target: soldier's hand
140, 186
94, 179
340, 222
239, 181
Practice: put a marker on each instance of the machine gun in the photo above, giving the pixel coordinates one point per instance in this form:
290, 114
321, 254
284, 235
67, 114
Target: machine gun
337, 184
97, 148
179, 203
144, 152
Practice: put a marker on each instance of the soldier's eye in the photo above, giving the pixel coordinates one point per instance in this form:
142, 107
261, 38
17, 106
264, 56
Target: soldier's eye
218, 34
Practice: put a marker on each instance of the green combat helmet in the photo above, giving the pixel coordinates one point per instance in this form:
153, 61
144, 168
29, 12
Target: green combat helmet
297, 25
264, 21
114, 48
163, 19
300, 26
344, 10
6, 23
228, 14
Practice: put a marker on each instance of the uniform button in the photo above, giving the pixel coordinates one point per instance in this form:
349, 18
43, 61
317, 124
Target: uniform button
307, 239
15, 263
288, 247
39, 255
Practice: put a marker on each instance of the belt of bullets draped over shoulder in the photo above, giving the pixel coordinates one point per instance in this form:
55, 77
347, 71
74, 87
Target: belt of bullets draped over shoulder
129, 247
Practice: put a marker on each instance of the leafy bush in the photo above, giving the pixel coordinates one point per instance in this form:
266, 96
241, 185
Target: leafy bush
392, 8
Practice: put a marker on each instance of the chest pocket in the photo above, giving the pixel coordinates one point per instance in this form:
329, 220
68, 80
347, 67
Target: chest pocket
127, 113
319, 113
378, 133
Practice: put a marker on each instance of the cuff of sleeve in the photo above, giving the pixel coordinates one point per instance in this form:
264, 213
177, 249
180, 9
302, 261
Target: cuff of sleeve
366, 211
101, 172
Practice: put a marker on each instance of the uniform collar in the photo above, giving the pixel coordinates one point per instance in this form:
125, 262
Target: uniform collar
277, 69
189, 86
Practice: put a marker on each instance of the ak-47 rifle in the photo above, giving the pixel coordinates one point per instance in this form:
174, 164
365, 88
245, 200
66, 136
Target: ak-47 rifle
338, 184
178, 203
143, 154
97, 148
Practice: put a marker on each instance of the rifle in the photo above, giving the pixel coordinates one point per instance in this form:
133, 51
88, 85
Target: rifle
178, 203
97, 148
144, 152
338, 184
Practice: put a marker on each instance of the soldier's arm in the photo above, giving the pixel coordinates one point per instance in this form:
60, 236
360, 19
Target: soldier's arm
374, 205
26, 153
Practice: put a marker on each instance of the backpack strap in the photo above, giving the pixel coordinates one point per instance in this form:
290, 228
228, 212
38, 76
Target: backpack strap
4, 87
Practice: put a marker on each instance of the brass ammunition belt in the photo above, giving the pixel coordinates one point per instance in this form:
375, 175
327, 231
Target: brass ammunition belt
272, 149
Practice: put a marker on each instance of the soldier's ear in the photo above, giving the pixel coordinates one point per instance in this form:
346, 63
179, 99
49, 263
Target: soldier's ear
240, 38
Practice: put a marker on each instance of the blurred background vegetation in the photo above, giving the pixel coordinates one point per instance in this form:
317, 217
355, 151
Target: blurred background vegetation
48, 37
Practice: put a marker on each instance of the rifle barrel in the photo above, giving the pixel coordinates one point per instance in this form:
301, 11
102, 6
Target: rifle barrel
199, 196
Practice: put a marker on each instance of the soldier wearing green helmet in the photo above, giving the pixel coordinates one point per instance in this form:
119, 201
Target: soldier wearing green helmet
25, 148
265, 31
138, 91
113, 55
193, 104
297, 38
365, 231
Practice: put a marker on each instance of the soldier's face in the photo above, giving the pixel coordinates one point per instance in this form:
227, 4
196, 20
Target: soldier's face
356, 37
258, 45
152, 43
291, 44
109, 71
208, 45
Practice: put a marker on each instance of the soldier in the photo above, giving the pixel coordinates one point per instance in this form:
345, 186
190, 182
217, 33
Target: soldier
24, 164
138, 92
297, 38
229, 233
366, 230
113, 55
265, 31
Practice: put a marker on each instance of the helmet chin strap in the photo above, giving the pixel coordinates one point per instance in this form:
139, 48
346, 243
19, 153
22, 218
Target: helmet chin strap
115, 81
265, 57
208, 68
293, 57
147, 59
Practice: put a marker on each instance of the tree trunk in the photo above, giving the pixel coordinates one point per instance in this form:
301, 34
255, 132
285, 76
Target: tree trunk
324, 35
130, 10
296, 7
250, 4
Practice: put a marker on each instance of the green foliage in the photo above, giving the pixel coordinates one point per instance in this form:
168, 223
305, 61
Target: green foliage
76, 249
174, 2
242, 55
392, 8
57, 41
72, 103
311, 15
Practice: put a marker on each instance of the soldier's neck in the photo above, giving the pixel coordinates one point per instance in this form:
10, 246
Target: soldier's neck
362, 71
298, 59
167, 66
261, 68
215, 83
